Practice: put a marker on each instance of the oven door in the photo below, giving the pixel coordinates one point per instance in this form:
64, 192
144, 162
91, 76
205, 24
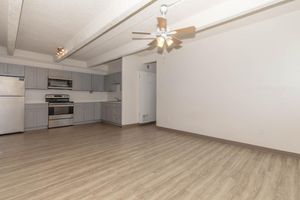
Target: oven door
61, 111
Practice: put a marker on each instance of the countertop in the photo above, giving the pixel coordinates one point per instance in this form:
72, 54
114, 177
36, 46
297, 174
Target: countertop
42, 102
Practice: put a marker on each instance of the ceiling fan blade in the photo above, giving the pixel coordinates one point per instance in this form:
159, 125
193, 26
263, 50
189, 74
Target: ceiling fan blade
162, 23
176, 41
169, 49
141, 33
160, 50
187, 32
153, 43
178, 47
143, 38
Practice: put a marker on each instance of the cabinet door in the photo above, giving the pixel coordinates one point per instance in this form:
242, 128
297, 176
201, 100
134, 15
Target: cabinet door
15, 70
42, 78
42, 116
3, 68
78, 113
104, 111
108, 83
30, 78
82, 81
60, 74
86, 81
116, 113
116, 78
36, 116
109, 112
97, 83
76, 81
97, 110
89, 113
36, 78
29, 118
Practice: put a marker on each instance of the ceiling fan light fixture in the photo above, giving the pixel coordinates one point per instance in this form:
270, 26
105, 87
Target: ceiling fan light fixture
60, 51
165, 38
163, 9
160, 42
169, 42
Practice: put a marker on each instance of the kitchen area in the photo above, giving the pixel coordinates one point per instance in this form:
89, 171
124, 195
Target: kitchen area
33, 98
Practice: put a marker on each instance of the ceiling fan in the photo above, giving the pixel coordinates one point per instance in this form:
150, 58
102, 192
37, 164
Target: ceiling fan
164, 38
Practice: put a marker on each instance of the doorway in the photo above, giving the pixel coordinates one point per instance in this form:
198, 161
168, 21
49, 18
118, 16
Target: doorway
147, 93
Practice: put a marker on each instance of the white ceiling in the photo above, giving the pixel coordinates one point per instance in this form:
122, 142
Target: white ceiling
143, 21
46, 25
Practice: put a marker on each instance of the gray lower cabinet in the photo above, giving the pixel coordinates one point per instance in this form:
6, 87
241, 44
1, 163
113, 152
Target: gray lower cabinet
87, 112
3, 68
60, 74
36, 78
111, 112
98, 83
82, 81
11, 70
97, 111
36, 116
78, 113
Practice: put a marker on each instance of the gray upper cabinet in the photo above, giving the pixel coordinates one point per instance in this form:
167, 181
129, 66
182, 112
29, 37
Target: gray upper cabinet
108, 83
117, 78
86, 82
76, 84
60, 74
98, 83
15, 70
82, 81
36, 78
11, 70
36, 116
111, 80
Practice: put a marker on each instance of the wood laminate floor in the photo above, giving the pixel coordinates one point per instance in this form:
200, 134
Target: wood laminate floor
102, 162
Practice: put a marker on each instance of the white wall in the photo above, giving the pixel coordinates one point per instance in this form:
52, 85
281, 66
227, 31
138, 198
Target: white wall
241, 85
131, 65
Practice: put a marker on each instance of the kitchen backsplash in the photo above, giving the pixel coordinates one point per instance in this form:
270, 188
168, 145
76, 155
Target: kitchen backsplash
38, 96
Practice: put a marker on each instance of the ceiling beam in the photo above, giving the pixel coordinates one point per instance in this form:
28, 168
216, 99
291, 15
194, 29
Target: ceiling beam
217, 15
116, 14
14, 16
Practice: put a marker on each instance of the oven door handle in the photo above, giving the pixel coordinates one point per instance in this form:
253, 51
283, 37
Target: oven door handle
56, 106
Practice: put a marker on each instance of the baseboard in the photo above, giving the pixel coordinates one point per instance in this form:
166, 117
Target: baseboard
246, 145
130, 125
36, 128
111, 123
86, 122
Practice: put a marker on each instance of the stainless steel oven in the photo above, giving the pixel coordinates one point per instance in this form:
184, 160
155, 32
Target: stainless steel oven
60, 110
61, 84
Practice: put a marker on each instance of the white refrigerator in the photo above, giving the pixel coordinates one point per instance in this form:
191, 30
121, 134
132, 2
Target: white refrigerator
11, 104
